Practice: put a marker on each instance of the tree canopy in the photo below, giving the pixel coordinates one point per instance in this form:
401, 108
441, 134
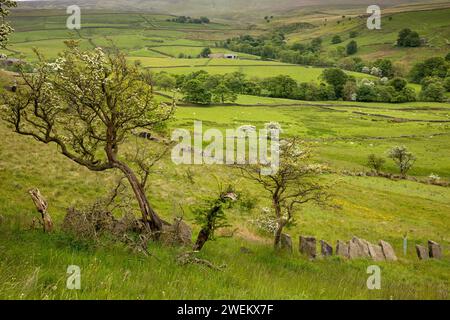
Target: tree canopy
5, 27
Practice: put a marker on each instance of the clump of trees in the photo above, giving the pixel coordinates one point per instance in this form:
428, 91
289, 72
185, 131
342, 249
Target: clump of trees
402, 157
386, 67
379, 68
433, 89
408, 38
434, 76
393, 91
87, 103
268, 18
347, 88
187, 19
205, 53
274, 46
431, 67
337, 79
202, 88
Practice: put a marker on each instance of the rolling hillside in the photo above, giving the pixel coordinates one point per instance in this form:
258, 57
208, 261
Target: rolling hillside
215, 8
431, 22
342, 135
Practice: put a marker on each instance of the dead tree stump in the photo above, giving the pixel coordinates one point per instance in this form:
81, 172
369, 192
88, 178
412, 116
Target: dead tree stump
42, 206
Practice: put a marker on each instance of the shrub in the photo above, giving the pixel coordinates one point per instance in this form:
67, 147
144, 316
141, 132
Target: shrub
447, 84
398, 83
336, 39
375, 163
366, 93
352, 47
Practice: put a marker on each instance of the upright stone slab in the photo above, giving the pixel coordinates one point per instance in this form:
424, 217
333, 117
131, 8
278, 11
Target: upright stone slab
358, 248
286, 242
308, 246
434, 249
422, 252
326, 249
342, 249
388, 251
376, 252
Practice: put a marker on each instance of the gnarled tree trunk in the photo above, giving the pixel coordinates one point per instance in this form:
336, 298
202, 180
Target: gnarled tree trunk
280, 222
278, 232
202, 237
149, 216
42, 206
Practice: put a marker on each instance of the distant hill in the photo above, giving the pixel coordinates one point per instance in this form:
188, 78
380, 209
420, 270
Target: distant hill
218, 8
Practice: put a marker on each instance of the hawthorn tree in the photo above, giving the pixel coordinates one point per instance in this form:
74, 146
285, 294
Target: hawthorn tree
296, 182
5, 27
403, 158
87, 103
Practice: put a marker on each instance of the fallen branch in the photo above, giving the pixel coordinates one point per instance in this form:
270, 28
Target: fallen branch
139, 246
187, 258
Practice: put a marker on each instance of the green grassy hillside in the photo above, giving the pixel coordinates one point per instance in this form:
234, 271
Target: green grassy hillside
33, 265
432, 25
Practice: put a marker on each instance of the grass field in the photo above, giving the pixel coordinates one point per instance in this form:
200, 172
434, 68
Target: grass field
33, 265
